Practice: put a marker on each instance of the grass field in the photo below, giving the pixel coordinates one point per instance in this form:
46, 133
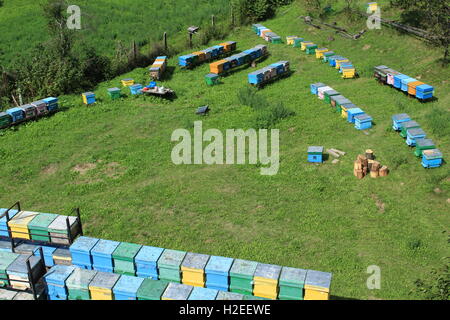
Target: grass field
113, 161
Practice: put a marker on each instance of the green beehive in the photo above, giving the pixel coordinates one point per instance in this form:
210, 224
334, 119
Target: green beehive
6, 259
328, 94
123, 258
5, 119
114, 93
311, 48
423, 144
297, 42
241, 276
212, 79
276, 40
169, 265
78, 284
39, 226
408, 125
152, 289
292, 282
327, 54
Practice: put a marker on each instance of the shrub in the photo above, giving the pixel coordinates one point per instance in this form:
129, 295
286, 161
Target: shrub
248, 96
267, 118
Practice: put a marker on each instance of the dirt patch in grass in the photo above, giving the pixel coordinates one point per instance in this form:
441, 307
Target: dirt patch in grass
114, 170
50, 169
380, 204
366, 47
84, 168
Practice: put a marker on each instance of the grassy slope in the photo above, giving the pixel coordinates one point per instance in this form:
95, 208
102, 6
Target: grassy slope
317, 217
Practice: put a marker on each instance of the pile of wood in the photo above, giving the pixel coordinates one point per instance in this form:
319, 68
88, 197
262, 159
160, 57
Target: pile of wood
366, 164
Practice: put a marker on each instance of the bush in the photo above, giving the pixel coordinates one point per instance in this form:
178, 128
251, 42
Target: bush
272, 115
249, 97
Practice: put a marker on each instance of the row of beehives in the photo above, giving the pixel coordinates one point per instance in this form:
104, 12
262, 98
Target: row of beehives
158, 67
339, 62
404, 83
416, 137
237, 60
48, 227
28, 112
212, 53
269, 73
267, 34
200, 270
343, 106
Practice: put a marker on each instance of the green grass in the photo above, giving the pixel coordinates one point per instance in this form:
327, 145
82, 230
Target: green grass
309, 216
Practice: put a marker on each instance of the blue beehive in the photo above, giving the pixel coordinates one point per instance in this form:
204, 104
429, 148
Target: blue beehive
102, 255
199, 293
126, 288
363, 122
398, 80
217, 272
81, 252
397, 120
413, 134
256, 77
56, 281
424, 92
3, 223
48, 255
186, 60
5, 246
405, 83
315, 154
432, 158
332, 60
52, 103
17, 114
136, 89
315, 86
352, 113
147, 262
345, 65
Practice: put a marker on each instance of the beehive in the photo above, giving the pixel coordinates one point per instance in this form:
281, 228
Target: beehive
412, 87
241, 276
348, 73
328, 94
177, 291
38, 227
27, 248
423, 144
88, 98
55, 280
217, 67
317, 285
193, 269
320, 52
332, 60
48, 255
169, 265
5, 119
7, 294
398, 119
266, 281
203, 294
3, 223
339, 100
6, 258
363, 122
311, 48
127, 82
16, 114
124, 258
413, 134
372, 6
352, 113
147, 262
62, 256
339, 61
211, 79
223, 295
398, 80
52, 104
315, 154
78, 284
217, 272
114, 93
59, 232
19, 224
315, 86
321, 91
405, 83
290, 40
255, 27
81, 252
29, 111
408, 125
326, 55
126, 288
297, 42
102, 284
304, 44
432, 158
135, 89
390, 76
102, 258
41, 107
345, 107
152, 289
5, 246
424, 92
380, 73
291, 283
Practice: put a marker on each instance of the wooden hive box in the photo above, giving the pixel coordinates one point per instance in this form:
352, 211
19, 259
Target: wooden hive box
363, 122
102, 285
398, 119
297, 42
304, 44
152, 289
423, 144
126, 288
320, 52
5, 119
88, 98
6, 259
290, 40
315, 154
78, 284
412, 87
114, 93
321, 92
352, 113
413, 134
29, 111
4, 229
193, 269
317, 285
62, 256
123, 258
315, 87
345, 107
223, 295
291, 283
19, 224
398, 80
39, 226
203, 294
424, 92
102, 252
127, 82
81, 251
55, 280
326, 55
339, 61
59, 232
432, 158
169, 265
241, 276
405, 83
147, 262
16, 114
177, 291
266, 281
18, 275
408, 125
41, 107
52, 104
217, 272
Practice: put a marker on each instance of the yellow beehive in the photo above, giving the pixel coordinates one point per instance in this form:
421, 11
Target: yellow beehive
263, 33
127, 82
160, 60
317, 285
217, 67
100, 294
304, 44
193, 269
201, 55
226, 46
372, 6
320, 52
290, 40
265, 281
344, 111
348, 73
412, 87
19, 224
311, 294
339, 61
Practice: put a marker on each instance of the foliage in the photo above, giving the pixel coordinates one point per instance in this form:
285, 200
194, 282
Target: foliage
248, 96
438, 288
439, 120
270, 116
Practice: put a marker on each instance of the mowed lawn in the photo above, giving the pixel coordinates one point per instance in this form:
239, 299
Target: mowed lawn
113, 161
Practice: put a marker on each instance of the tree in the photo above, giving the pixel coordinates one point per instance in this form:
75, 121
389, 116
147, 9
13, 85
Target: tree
435, 19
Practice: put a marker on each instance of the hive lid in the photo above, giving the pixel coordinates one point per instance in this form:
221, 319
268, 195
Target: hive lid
6, 258
420, 143
348, 106
149, 254
59, 273
7, 294
410, 124
177, 291
293, 276
203, 294
23, 217
425, 87
60, 224
62, 254
318, 279
223, 295
104, 280
128, 284
363, 117
244, 267
84, 244
331, 93
416, 132
11, 214
128, 79
401, 116
80, 278
88, 94
5, 246
43, 220
268, 271
172, 257
113, 89
378, 68
219, 264
315, 149
27, 248
432, 154
126, 250
195, 260
38, 103
354, 111
318, 85
105, 247
152, 288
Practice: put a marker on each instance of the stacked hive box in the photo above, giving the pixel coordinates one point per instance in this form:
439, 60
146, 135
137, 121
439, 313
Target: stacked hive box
88, 98
19, 224
6, 259
193, 269
268, 73
51, 103
114, 93
212, 53
16, 114
398, 119
169, 265
135, 89
413, 134
423, 144
315, 154
320, 52
266, 281
241, 276
102, 252
267, 34
352, 113
432, 158
151, 289
39, 226
81, 252
217, 272
127, 82
62, 256
55, 281
29, 111
290, 40
64, 229
41, 107
126, 288
177, 291
292, 282
147, 262
101, 286
203, 294
78, 284
317, 285
124, 258
4, 229
158, 67
237, 60
407, 126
